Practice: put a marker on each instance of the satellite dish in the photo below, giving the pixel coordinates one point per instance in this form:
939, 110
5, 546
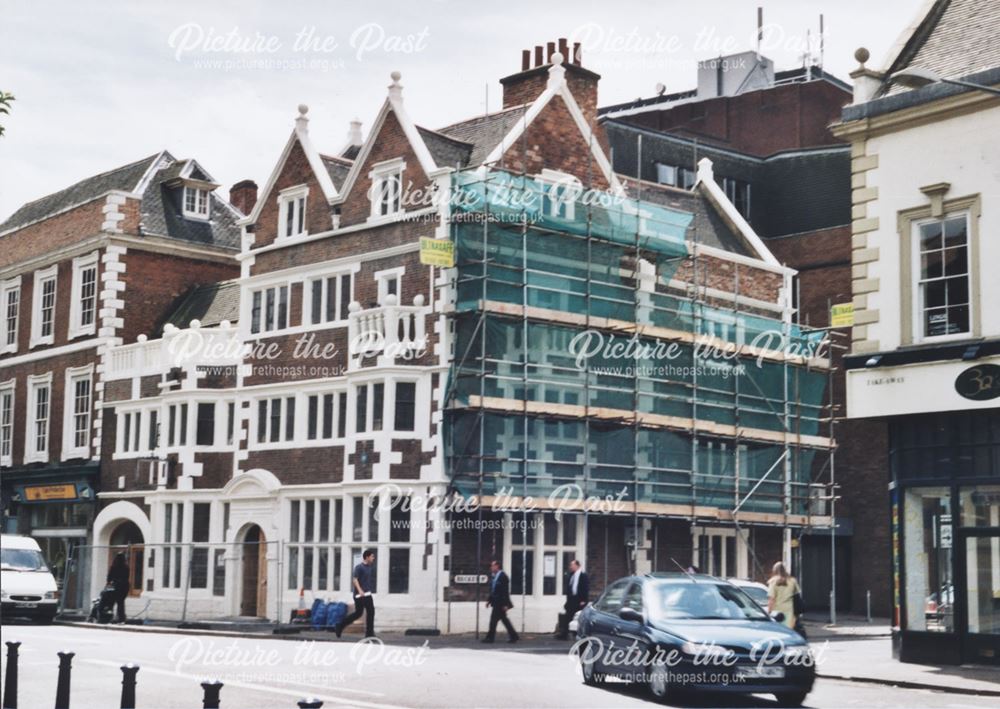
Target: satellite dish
660, 89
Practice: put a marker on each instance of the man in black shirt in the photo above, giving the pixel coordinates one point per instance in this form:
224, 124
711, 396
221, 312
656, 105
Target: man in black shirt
363, 601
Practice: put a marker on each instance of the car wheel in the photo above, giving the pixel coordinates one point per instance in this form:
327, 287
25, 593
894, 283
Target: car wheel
791, 699
591, 677
659, 682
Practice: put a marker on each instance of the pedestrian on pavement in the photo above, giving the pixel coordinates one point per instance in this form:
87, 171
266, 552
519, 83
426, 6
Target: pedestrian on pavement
499, 602
118, 579
781, 591
577, 597
361, 583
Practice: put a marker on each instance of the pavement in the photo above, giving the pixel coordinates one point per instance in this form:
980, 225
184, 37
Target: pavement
263, 671
854, 650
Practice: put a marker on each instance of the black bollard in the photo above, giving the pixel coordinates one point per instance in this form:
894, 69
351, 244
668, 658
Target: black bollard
311, 703
128, 685
62, 685
212, 689
10, 677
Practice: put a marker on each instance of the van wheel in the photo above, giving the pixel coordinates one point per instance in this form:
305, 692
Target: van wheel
791, 699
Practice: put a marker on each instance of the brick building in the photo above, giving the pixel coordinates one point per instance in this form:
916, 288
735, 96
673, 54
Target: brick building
768, 135
82, 269
353, 389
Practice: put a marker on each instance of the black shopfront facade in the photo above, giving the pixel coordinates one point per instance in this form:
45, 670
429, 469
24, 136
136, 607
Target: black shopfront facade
945, 517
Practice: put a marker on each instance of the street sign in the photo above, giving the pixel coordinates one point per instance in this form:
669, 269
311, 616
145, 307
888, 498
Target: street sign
437, 252
842, 315
470, 578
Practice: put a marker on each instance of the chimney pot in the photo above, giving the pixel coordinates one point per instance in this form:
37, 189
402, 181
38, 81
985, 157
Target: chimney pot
525, 60
243, 195
576, 53
550, 49
538, 55
564, 48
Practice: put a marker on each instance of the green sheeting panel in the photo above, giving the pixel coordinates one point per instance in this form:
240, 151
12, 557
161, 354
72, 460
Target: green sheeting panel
533, 455
547, 371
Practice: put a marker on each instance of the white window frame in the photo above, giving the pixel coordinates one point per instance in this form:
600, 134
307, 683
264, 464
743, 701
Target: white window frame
8, 288
380, 176
283, 405
202, 202
32, 454
7, 391
339, 306
382, 278
76, 327
277, 325
741, 565
566, 187
70, 449
41, 276
540, 548
295, 199
915, 281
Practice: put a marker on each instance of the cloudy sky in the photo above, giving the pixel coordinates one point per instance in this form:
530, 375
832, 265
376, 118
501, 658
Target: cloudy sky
100, 84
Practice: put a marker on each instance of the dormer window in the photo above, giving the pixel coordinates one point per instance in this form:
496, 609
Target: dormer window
195, 202
560, 191
292, 212
386, 193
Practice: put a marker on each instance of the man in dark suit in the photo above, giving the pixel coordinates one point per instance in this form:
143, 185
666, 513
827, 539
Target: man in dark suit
499, 602
577, 596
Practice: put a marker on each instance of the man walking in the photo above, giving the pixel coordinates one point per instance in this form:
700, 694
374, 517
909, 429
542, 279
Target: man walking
499, 602
363, 601
577, 597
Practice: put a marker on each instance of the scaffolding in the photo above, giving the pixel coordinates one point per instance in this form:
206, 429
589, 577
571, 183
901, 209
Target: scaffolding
700, 406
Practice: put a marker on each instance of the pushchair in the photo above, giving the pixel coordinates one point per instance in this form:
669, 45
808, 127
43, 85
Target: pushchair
102, 608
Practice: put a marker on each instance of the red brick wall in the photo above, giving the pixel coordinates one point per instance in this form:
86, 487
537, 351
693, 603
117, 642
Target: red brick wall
154, 284
554, 141
54, 233
757, 122
296, 171
57, 366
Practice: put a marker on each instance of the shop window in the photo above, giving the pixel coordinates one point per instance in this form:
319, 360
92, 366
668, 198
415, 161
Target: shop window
927, 540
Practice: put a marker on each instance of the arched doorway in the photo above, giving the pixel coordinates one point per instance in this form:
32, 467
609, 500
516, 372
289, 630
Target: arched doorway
127, 539
253, 598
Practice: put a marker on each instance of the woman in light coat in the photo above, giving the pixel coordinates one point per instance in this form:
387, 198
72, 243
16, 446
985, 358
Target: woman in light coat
781, 590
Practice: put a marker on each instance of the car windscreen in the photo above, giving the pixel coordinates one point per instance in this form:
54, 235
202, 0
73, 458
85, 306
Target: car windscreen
22, 560
702, 601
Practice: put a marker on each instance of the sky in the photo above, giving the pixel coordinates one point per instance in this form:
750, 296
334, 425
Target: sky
102, 84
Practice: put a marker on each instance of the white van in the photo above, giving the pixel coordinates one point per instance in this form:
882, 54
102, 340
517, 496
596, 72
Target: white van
28, 587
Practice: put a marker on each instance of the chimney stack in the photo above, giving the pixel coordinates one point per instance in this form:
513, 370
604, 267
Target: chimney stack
526, 85
243, 196
354, 137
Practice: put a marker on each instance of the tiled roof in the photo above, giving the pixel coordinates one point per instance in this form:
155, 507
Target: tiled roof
210, 303
337, 168
160, 209
955, 39
446, 150
484, 133
125, 178
707, 227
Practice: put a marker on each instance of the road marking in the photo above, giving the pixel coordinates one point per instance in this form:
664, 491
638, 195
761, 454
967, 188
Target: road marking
263, 687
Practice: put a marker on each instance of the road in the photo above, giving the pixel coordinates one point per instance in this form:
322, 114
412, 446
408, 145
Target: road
266, 673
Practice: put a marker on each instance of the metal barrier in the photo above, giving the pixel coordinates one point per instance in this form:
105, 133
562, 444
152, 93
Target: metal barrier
244, 582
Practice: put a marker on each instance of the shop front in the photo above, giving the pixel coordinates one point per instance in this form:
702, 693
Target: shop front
55, 507
945, 506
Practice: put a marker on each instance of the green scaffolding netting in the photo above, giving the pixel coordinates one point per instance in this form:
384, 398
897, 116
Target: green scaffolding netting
523, 248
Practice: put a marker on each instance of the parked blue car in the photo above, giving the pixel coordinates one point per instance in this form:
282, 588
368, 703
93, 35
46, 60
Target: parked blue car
679, 632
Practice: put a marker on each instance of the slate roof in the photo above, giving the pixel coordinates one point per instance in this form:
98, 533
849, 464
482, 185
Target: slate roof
337, 168
160, 210
707, 227
125, 178
446, 151
484, 133
210, 303
956, 38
